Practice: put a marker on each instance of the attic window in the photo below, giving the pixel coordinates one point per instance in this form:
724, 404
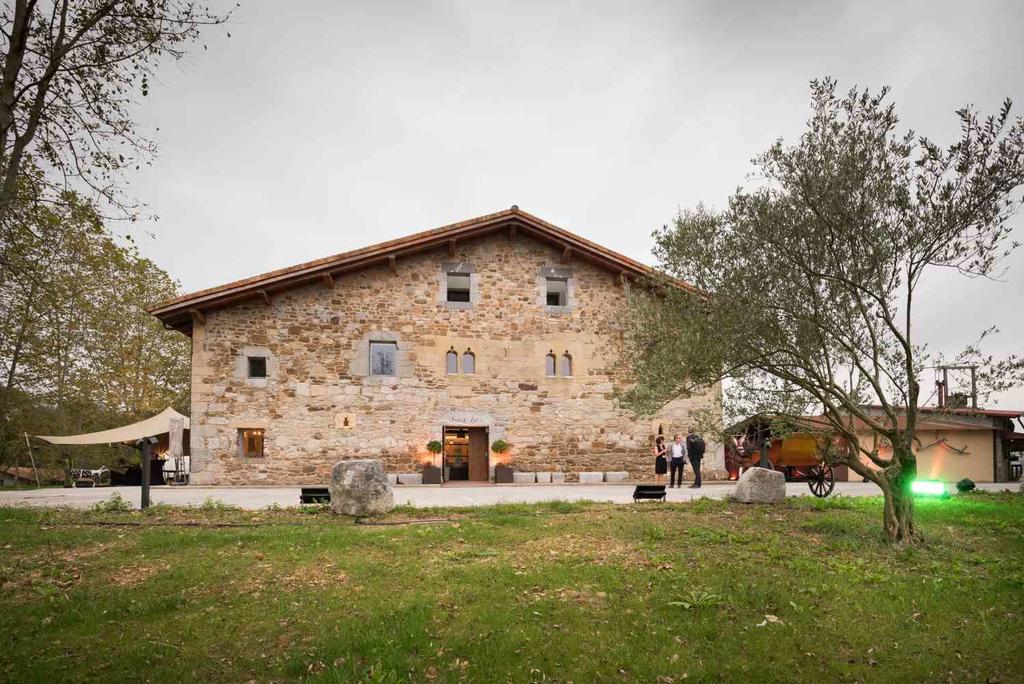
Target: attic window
258, 367
458, 287
557, 291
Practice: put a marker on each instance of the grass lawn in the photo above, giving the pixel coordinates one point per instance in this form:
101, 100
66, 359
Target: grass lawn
557, 592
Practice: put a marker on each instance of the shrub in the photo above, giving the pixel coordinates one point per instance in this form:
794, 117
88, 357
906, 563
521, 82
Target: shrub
499, 446
215, 505
965, 485
115, 504
434, 446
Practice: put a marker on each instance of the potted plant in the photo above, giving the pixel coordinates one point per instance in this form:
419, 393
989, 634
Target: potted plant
502, 471
431, 472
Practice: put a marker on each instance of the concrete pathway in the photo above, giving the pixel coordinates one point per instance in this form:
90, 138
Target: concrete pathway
420, 496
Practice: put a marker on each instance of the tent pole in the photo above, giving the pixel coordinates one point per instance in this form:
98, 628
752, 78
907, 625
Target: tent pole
32, 459
145, 472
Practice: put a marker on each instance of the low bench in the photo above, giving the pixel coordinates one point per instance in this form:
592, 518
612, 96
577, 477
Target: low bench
649, 492
315, 495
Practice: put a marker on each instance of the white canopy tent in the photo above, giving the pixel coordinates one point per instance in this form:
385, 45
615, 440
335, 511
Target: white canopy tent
168, 422
160, 424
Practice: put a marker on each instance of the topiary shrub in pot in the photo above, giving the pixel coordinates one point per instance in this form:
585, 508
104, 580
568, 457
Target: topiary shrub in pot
965, 485
503, 471
432, 473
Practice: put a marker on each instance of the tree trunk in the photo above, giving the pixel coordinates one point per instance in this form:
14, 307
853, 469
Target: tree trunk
898, 511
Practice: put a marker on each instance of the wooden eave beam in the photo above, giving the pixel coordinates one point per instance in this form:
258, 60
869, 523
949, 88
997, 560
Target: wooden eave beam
327, 279
566, 254
265, 295
393, 263
451, 247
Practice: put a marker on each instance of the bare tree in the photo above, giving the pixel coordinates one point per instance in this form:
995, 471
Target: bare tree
812, 278
70, 71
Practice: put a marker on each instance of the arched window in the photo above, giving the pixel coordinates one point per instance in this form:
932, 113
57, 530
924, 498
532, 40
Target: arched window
468, 362
549, 364
566, 364
451, 362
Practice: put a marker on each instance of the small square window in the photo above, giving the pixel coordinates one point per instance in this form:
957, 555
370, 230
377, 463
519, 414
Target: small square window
250, 442
257, 367
557, 291
382, 358
458, 287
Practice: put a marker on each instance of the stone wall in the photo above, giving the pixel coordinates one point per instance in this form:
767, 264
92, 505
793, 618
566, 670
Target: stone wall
319, 403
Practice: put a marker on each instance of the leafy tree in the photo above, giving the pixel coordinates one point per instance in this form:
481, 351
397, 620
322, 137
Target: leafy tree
78, 351
68, 75
808, 282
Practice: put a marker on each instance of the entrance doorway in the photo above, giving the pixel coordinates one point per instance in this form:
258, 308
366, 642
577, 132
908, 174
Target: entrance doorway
465, 454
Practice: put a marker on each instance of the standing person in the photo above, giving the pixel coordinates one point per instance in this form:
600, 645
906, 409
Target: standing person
660, 460
678, 462
695, 448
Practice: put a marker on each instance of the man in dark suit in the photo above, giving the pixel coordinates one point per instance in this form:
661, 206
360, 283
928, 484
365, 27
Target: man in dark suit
695, 450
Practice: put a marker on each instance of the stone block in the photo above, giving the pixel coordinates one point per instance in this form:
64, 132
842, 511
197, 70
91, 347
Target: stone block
360, 488
591, 478
558, 478
544, 478
616, 476
392, 479
523, 478
410, 478
761, 485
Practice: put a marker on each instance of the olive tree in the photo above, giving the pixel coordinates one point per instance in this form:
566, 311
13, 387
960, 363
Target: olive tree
807, 284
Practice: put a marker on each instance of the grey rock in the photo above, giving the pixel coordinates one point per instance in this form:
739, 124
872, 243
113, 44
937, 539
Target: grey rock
543, 478
519, 477
591, 477
558, 478
360, 488
761, 485
616, 476
410, 478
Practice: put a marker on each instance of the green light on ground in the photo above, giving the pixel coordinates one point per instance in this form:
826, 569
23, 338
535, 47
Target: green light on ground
928, 487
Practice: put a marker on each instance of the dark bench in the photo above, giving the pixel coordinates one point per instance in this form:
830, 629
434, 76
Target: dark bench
315, 495
649, 492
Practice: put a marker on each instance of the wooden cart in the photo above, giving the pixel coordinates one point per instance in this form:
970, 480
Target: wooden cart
799, 456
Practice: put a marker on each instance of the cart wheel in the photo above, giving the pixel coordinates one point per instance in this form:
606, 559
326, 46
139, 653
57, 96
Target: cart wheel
821, 480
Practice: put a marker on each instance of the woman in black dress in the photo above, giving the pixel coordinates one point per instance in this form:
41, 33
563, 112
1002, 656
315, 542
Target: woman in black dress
660, 459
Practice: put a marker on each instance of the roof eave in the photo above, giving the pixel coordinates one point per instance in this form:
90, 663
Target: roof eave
178, 313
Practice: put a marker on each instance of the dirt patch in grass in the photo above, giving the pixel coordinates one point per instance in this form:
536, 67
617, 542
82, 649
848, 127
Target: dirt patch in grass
585, 596
135, 574
582, 548
315, 575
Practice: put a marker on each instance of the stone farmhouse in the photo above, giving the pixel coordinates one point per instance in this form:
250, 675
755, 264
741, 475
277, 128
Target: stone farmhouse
502, 327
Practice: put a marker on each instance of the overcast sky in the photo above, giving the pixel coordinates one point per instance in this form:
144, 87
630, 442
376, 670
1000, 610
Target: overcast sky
319, 127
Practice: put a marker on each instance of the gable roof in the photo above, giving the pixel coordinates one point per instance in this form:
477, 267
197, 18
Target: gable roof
178, 312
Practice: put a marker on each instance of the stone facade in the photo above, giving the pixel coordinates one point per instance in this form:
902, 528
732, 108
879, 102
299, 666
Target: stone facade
319, 403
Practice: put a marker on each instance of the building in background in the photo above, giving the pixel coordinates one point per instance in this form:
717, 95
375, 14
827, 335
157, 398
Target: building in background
503, 327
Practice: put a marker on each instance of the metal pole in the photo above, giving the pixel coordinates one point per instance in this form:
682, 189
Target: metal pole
145, 472
974, 387
31, 458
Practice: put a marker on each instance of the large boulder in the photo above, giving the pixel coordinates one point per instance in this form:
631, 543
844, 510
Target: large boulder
360, 488
761, 485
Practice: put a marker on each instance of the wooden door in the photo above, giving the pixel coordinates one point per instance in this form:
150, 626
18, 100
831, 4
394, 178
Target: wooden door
478, 471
